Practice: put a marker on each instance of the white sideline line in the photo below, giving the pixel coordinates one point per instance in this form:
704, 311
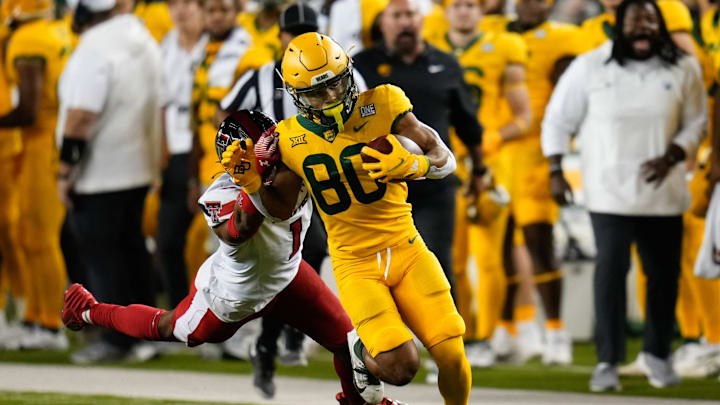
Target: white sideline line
195, 386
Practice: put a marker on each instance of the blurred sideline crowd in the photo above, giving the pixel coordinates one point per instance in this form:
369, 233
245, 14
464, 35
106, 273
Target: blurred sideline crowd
127, 224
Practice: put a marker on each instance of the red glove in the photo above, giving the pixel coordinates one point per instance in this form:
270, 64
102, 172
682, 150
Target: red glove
267, 153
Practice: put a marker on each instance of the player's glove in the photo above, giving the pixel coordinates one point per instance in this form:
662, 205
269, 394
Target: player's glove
267, 153
398, 164
239, 160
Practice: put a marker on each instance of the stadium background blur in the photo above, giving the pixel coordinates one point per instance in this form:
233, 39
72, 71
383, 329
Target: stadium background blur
33, 278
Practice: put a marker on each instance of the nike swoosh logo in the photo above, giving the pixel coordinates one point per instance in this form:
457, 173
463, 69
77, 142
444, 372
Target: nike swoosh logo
356, 129
413, 239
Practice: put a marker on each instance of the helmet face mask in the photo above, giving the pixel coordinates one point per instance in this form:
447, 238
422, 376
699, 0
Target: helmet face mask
318, 74
325, 100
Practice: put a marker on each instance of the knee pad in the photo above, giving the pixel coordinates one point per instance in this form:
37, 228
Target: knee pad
451, 326
383, 333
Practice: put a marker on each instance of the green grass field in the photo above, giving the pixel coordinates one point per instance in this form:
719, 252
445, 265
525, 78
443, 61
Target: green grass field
531, 376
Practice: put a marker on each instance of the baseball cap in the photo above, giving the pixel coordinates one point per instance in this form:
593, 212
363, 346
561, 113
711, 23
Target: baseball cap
298, 19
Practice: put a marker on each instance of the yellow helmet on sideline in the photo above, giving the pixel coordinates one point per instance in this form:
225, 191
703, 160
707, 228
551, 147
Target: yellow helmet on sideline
318, 74
23, 10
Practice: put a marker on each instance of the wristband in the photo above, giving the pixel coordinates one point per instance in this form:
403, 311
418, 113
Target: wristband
246, 203
72, 150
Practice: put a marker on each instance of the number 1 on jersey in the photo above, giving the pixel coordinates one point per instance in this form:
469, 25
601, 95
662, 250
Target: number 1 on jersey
296, 230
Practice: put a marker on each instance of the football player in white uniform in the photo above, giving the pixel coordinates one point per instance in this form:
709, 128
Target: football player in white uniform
257, 271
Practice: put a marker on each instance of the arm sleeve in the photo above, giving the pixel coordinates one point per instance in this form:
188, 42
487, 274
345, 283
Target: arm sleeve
243, 94
463, 111
88, 83
515, 49
24, 44
694, 109
398, 104
566, 109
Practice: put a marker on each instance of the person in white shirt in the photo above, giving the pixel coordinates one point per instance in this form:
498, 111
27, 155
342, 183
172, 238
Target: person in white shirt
638, 107
257, 270
111, 97
182, 51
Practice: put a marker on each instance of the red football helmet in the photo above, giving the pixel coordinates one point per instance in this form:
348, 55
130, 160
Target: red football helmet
241, 125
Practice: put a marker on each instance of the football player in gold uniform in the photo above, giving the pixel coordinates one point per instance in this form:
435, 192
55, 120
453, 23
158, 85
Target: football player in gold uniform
11, 270
388, 281
262, 25
494, 66
36, 54
551, 47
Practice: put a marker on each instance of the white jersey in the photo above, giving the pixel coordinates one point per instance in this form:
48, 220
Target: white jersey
242, 279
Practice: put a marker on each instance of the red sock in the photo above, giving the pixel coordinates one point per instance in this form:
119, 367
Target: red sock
138, 321
343, 368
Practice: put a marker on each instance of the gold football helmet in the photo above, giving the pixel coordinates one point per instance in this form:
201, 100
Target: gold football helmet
318, 74
23, 10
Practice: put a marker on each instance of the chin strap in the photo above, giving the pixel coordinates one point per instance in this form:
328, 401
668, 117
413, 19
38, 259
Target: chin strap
336, 113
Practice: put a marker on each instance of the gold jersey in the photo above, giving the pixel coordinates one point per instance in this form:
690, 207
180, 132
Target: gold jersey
10, 141
599, 29
710, 36
435, 24
50, 42
484, 61
156, 17
362, 216
267, 39
494, 23
546, 44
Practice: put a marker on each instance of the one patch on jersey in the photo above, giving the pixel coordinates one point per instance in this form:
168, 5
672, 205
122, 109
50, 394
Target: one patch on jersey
540, 34
488, 47
367, 110
213, 209
297, 140
384, 69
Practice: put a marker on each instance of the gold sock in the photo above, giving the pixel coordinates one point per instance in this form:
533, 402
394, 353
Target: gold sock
509, 326
524, 313
454, 376
554, 324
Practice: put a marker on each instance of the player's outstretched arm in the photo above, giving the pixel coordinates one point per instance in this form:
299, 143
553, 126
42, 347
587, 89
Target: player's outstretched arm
243, 223
280, 197
440, 158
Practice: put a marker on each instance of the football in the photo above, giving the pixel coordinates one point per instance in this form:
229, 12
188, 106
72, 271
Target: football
381, 144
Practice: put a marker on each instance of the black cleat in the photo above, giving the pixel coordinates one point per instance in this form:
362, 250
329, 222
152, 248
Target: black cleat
263, 372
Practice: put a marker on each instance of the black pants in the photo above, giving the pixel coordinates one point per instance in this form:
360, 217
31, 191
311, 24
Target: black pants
433, 210
74, 262
314, 252
659, 241
173, 223
108, 227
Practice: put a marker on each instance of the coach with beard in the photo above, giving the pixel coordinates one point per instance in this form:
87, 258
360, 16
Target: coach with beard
638, 107
433, 81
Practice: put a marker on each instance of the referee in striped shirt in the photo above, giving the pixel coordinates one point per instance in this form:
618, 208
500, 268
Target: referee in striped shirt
262, 90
